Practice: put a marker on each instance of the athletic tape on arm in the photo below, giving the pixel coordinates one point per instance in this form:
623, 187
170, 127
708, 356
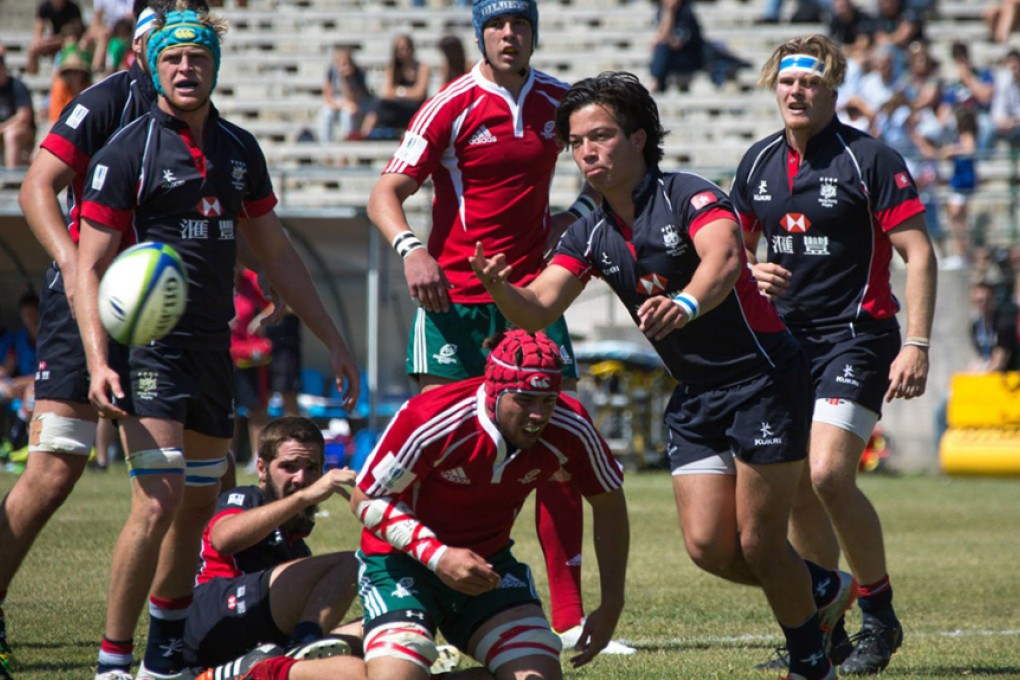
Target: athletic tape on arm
394, 523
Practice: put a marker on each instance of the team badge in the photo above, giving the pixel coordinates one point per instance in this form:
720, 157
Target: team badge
703, 199
795, 223
652, 284
827, 192
238, 174
671, 239
903, 180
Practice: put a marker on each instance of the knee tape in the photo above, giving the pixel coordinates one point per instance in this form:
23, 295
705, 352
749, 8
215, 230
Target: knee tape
204, 472
402, 640
517, 639
60, 434
168, 461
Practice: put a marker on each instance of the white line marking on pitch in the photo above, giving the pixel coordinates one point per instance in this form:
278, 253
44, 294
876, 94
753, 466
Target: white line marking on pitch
772, 639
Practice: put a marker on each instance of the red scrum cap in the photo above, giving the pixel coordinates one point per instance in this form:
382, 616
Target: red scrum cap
522, 362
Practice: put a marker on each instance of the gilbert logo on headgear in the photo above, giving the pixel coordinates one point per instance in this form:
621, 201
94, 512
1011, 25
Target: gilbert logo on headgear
539, 382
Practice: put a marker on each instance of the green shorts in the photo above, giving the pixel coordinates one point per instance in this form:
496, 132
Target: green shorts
449, 344
398, 583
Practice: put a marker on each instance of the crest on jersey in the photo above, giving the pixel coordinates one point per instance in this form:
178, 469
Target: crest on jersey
827, 192
671, 239
795, 223
210, 206
238, 174
703, 199
903, 180
549, 131
652, 284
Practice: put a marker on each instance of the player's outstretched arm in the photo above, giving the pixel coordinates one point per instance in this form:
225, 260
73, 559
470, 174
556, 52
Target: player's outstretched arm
426, 281
535, 306
908, 374
287, 273
97, 246
233, 533
612, 545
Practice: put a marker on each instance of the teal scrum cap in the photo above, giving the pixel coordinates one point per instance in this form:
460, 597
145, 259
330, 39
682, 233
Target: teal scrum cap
183, 28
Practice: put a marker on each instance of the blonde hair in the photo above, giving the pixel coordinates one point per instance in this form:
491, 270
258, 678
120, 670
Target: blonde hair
213, 21
818, 46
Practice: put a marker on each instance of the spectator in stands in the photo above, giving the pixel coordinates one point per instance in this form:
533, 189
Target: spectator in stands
920, 83
106, 15
848, 23
678, 48
1005, 110
17, 351
72, 78
962, 152
807, 11
1002, 18
454, 60
346, 98
17, 118
251, 351
993, 332
877, 86
973, 88
54, 15
118, 53
404, 90
897, 24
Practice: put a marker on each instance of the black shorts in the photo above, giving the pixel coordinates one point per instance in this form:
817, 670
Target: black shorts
61, 374
766, 419
852, 368
190, 386
251, 387
228, 617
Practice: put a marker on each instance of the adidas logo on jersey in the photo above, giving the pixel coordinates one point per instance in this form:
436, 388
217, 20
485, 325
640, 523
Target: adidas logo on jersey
511, 581
456, 475
482, 136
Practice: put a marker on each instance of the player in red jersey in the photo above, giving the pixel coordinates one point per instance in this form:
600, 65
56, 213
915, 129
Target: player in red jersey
488, 142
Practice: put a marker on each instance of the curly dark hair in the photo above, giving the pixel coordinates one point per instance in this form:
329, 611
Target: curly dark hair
626, 99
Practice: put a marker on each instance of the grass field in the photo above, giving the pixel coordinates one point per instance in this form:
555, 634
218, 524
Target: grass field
953, 544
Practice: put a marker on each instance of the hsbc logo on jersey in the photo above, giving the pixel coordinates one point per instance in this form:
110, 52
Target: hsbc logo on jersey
795, 223
903, 180
652, 284
703, 199
210, 206
539, 382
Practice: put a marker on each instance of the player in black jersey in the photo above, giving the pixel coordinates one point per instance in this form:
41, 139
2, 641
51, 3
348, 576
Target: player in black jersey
182, 175
833, 203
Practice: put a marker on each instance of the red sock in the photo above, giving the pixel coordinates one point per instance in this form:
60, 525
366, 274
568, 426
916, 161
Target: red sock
277, 668
559, 520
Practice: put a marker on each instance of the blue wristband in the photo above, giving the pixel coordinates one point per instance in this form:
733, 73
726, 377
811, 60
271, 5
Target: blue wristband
688, 304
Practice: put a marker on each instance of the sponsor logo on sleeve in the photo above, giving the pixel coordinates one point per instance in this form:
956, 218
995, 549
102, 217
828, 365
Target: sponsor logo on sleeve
903, 180
77, 116
99, 177
703, 199
411, 148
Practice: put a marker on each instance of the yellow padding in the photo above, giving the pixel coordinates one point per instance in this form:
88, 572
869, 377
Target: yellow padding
985, 400
986, 451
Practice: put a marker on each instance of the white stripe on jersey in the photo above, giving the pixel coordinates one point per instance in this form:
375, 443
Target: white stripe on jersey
871, 232
426, 114
424, 435
607, 474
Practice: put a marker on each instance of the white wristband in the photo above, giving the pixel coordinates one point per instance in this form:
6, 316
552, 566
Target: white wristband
582, 207
405, 242
689, 305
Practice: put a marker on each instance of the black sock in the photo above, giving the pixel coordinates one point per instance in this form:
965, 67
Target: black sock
305, 632
824, 583
807, 654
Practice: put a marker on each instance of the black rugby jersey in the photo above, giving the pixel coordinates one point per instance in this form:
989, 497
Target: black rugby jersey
826, 218
90, 119
737, 340
276, 548
152, 183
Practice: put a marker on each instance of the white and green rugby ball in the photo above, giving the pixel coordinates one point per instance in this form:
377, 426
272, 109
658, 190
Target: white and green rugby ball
143, 293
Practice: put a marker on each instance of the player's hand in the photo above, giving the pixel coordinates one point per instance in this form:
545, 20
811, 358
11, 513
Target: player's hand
466, 572
908, 375
348, 376
659, 316
426, 281
595, 635
332, 482
104, 383
493, 272
772, 279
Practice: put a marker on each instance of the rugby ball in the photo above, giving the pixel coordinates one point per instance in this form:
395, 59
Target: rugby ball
143, 293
